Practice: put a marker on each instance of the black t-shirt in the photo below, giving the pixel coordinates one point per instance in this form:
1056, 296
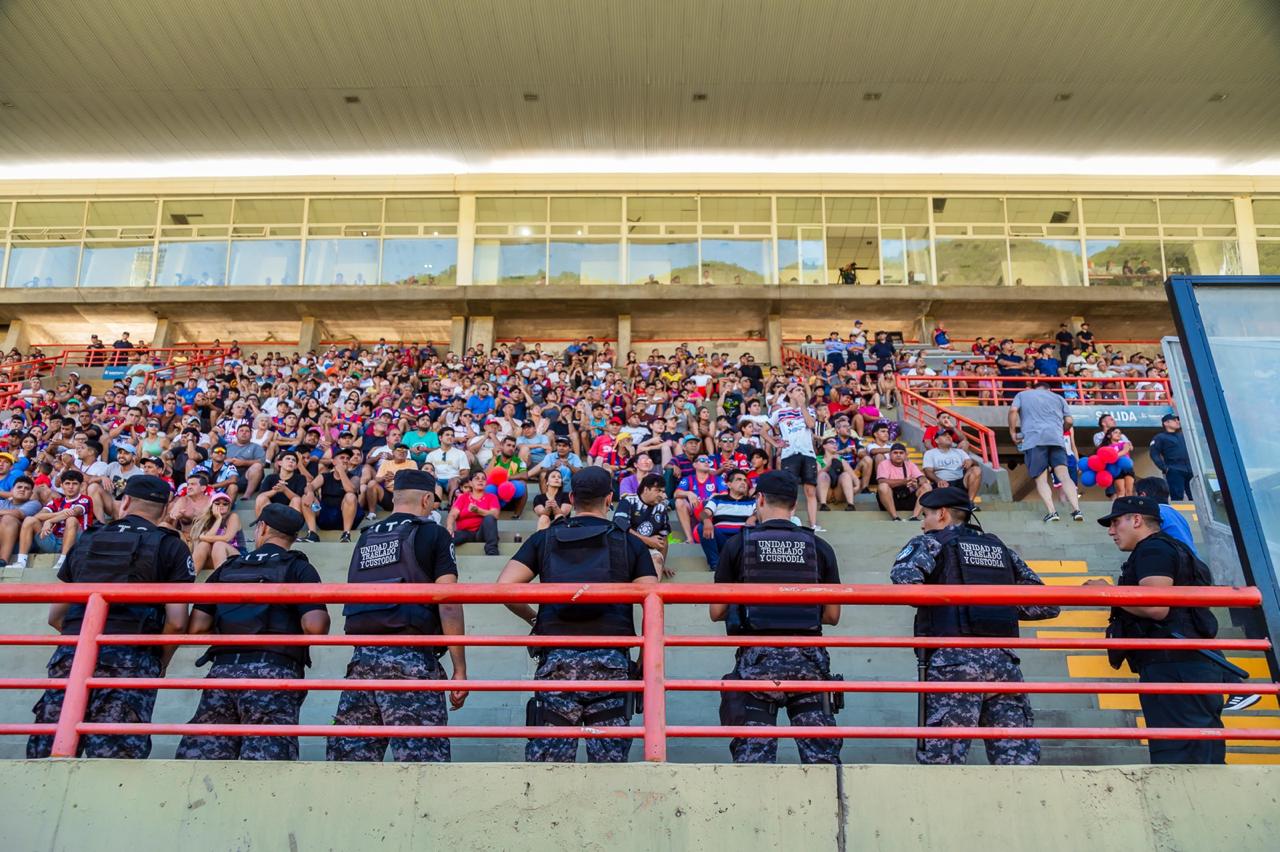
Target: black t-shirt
634, 514
174, 563
733, 404
296, 483
730, 568
432, 547
541, 499
1009, 365
332, 490
300, 571
754, 373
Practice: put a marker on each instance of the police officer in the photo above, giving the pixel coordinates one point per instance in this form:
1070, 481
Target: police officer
954, 551
134, 549
406, 547
777, 551
276, 530
1157, 560
586, 548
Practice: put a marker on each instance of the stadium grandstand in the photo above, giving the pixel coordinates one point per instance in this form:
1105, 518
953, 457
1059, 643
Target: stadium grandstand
910, 362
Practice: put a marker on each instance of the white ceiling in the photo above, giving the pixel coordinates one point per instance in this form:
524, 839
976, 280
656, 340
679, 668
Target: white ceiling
159, 80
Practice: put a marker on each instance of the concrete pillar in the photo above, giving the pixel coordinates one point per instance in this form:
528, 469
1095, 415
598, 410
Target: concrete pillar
17, 337
1074, 324
162, 337
480, 332
1248, 236
624, 337
773, 332
310, 332
926, 330
458, 334
466, 239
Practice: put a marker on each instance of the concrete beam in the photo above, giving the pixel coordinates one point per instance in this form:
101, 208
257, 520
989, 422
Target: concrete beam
480, 332
925, 327
458, 334
310, 333
773, 333
18, 337
624, 337
163, 334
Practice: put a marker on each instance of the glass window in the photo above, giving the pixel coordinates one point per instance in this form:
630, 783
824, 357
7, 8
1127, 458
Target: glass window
852, 210
905, 255
662, 208
120, 214
342, 210
853, 255
6, 210
116, 264
197, 211
1266, 211
1046, 263
1120, 211
1197, 211
1269, 257
802, 210
662, 261
518, 209
736, 208
420, 262
438, 209
1042, 211
268, 211
964, 209
904, 211
1123, 262
510, 262
49, 214
192, 264
1201, 257
964, 262
43, 265
737, 261
581, 209
342, 262
269, 262
800, 254
585, 262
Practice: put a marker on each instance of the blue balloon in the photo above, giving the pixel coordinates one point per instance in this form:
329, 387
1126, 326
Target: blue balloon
520, 489
1088, 478
1082, 463
491, 489
1114, 469
1125, 464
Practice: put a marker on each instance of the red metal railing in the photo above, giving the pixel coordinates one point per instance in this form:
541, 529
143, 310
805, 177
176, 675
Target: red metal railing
180, 371
925, 412
653, 641
808, 362
996, 390
30, 368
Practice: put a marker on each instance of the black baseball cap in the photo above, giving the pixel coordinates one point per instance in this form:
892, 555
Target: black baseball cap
414, 480
1130, 506
281, 518
1169, 416
153, 489
592, 483
778, 483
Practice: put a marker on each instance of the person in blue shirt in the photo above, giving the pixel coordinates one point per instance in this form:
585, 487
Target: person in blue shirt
1047, 363
1172, 523
10, 470
481, 402
1169, 453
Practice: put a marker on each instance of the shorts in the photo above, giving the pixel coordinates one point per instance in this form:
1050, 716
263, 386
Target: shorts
1040, 459
805, 468
387, 500
904, 499
329, 517
47, 544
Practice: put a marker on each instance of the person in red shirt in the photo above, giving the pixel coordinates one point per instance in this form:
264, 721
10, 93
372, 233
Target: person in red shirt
727, 456
946, 423
474, 516
48, 531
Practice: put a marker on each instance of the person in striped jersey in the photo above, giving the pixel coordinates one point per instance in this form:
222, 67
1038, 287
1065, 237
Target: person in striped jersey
725, 514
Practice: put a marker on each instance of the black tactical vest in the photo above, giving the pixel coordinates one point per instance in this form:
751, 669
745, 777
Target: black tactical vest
969, 557
260, 618
576, 552
778, 555
385, 554
119, 552
1188, 622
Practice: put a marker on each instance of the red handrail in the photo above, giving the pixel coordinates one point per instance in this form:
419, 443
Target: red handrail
996, 390
807, 361
925, 413
654, 641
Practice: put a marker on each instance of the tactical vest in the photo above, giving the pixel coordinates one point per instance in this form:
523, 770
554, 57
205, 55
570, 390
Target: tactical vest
969, 558
778, 555
574, 552
119, 552
1188, 622
260, 618
385, 554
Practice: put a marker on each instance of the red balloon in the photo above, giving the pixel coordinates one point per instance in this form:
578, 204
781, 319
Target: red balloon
1096, 464
1105, 479
497, 476
1108, 454
506, 491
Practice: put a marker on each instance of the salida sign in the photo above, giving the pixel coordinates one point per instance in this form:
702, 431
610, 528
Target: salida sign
1141, 417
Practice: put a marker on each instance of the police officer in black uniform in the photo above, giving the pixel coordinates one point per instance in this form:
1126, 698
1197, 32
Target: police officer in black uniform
587, 548
776, 551
276, 530
134, 549
1157, 560
955, 551
406, 547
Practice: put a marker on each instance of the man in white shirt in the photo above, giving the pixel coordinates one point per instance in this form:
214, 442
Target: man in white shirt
794, 425
448, 463
947, 465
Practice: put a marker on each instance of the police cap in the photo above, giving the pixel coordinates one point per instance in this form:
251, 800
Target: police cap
778, 483
281, 518
153, 489
1130, 506
592, 483
414, 480
948, 498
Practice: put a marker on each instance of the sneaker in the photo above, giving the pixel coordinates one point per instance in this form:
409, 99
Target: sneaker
57, 566
1052, 516
371, 516
818, 528
915, 519
21, 561
310, 537
824, 508
1240, 702
1077, 517
900, 520
345, 538
849, 507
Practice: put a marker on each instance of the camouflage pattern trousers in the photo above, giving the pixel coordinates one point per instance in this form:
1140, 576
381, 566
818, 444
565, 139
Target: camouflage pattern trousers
369, 707
105, 705
966, 709
572, 708
245, 707
804, 709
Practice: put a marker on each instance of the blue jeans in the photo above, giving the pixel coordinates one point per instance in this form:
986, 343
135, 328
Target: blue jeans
711, 546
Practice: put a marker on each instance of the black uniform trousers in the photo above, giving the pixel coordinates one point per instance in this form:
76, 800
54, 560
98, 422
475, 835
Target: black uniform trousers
1184, 711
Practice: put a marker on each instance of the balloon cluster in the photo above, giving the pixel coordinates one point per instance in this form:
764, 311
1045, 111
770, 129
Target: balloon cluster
504, 488
1102, 468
